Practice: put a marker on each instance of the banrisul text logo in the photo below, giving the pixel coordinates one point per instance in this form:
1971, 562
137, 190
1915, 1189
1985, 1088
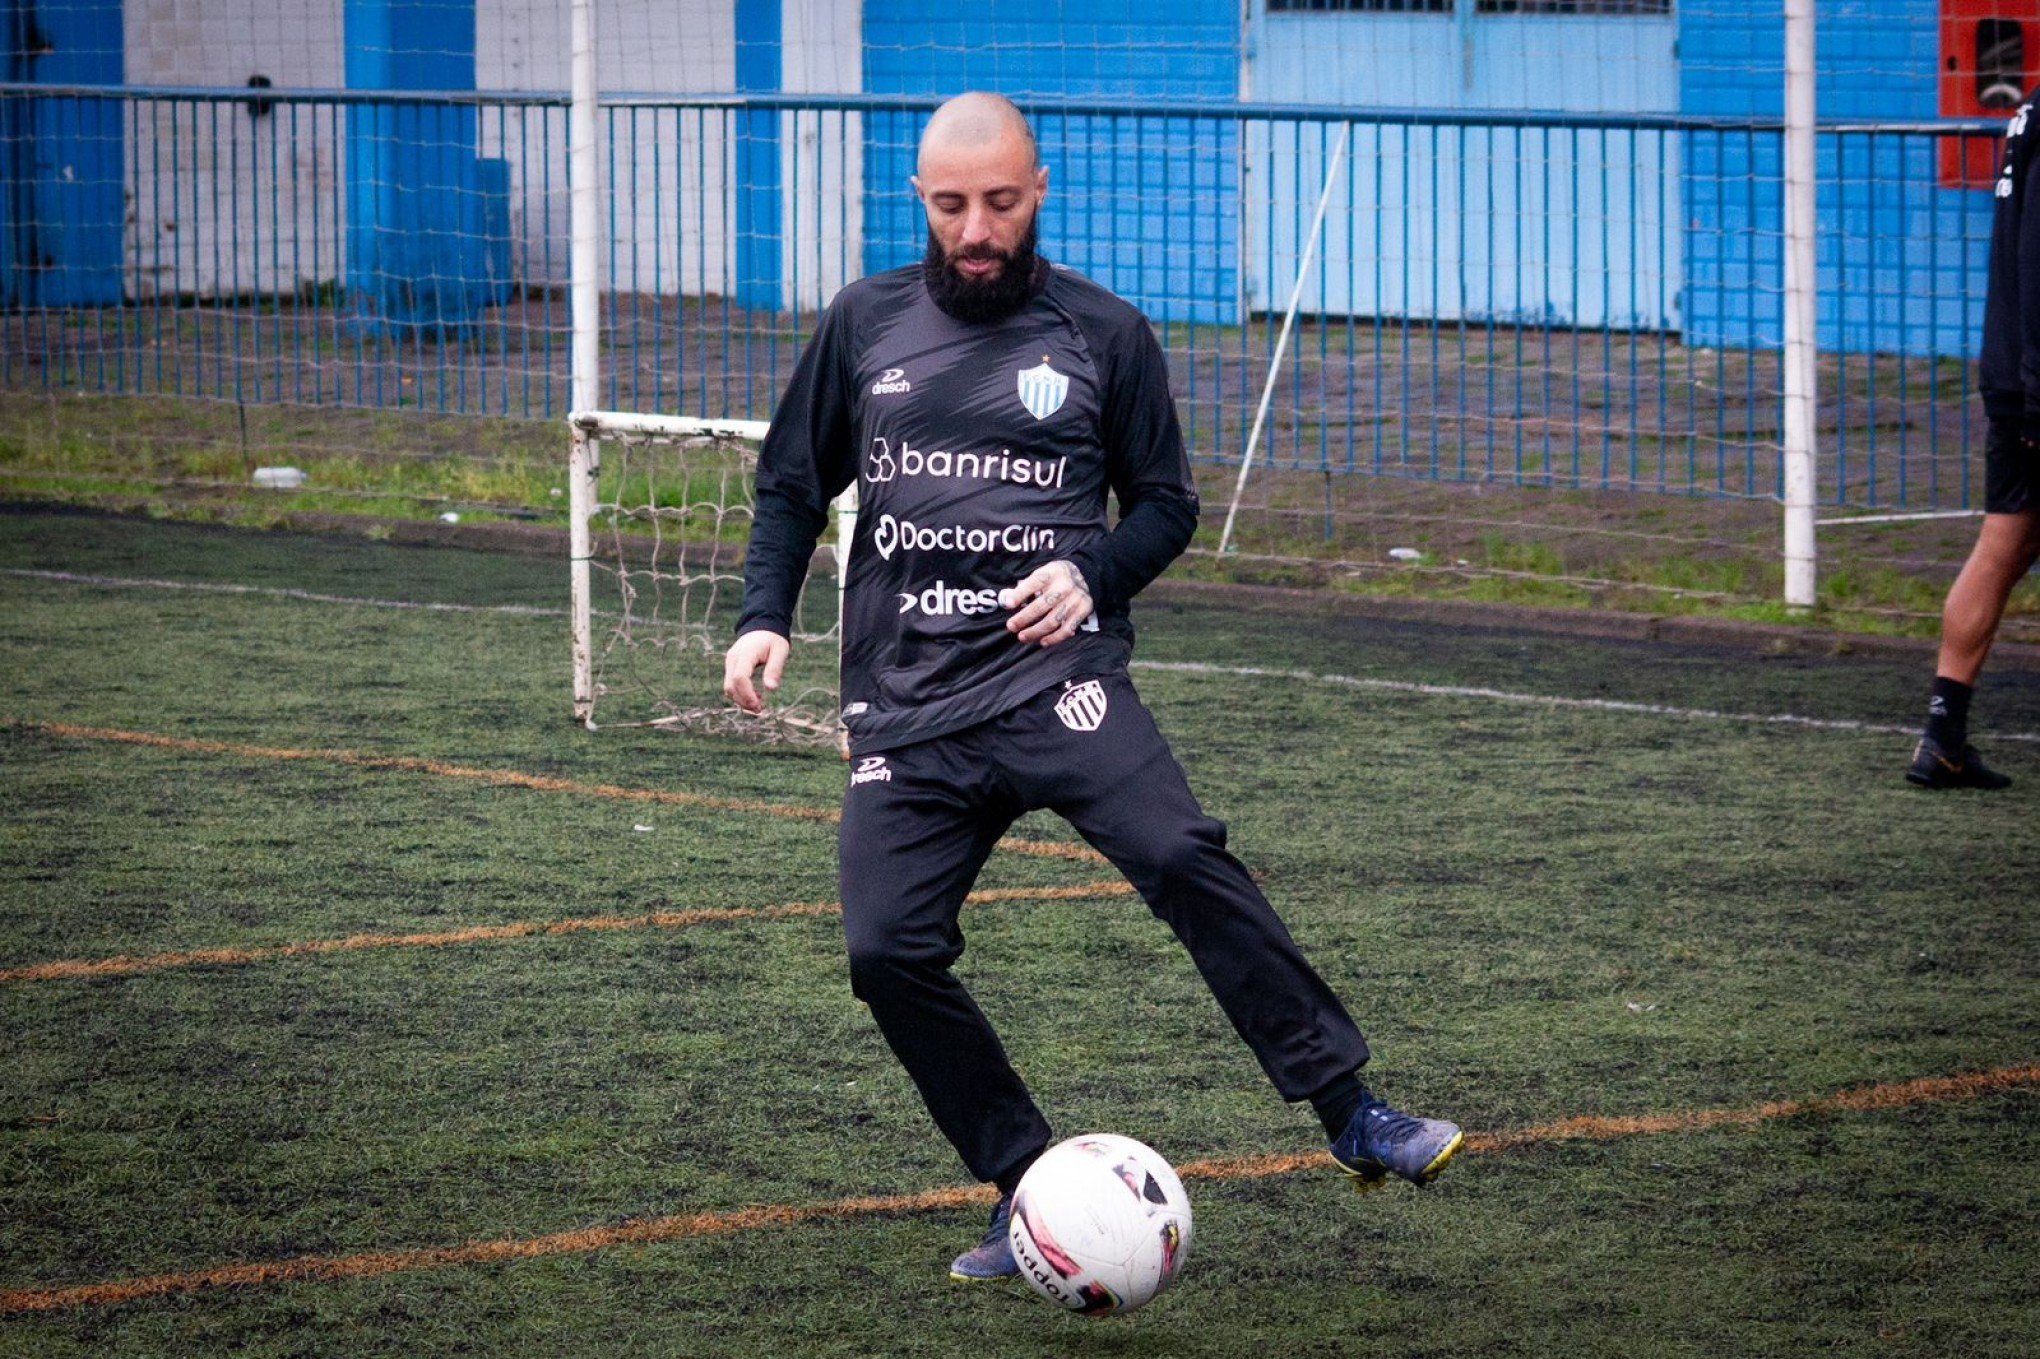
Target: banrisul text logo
891, 382
884, 463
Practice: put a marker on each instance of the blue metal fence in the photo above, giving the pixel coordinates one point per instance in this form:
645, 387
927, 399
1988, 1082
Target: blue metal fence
1483, 306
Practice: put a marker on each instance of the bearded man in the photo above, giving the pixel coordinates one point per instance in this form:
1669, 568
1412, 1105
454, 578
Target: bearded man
986, 403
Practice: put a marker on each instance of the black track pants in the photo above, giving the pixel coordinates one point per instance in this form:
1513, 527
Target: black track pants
918, 823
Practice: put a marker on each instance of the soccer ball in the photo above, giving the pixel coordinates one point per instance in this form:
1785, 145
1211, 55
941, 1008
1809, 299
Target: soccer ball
1100, 1224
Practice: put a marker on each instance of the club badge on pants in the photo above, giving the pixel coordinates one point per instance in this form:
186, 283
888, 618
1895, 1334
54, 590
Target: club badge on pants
1082, 706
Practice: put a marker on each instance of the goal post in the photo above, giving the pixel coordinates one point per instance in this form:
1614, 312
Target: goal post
661, 509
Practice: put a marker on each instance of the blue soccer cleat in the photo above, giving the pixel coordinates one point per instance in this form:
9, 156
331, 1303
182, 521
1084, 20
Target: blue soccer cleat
1381, 1141
991, 1258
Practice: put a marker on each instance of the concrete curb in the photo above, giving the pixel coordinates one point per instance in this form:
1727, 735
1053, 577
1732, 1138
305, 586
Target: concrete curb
1771, 639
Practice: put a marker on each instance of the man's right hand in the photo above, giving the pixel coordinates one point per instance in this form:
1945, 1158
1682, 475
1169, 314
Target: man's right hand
742, 660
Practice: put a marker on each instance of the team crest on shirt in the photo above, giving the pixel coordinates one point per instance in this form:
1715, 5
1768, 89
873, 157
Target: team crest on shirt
1043, 390
1082, 706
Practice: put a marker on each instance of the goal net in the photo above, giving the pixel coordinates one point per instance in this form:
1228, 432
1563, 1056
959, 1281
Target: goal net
662, 512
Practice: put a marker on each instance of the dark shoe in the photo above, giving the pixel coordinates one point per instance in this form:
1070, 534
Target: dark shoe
1381, 1141
1933, 767
991, 1258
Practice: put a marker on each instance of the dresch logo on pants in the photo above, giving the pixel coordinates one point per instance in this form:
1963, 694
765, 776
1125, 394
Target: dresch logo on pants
1082, 706
871, 769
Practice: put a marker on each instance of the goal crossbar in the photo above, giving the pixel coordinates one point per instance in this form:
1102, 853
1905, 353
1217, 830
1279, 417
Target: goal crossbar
596, 423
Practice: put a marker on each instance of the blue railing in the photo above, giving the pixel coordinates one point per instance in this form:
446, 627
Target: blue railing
1531, 298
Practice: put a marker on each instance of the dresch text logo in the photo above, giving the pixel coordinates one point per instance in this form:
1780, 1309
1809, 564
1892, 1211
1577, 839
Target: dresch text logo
942, 600
891, 382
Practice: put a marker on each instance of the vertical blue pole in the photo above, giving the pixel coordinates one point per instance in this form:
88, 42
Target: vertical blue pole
62, 191
416, 239
758, 185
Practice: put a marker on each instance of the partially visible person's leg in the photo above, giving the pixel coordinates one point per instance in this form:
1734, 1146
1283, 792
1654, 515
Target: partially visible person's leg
2005, 551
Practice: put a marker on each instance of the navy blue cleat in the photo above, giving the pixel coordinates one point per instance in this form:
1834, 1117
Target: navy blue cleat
991, 1258
1381, 1141
1934, 766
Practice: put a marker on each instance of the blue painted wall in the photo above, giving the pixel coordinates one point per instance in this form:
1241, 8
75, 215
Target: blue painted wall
61, 160
1901, 259
1150, 209
427, 221
1559, 226
759, 66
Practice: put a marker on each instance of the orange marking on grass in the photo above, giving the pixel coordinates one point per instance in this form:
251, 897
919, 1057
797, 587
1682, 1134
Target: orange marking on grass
506, 778
1050, 849
330, 1268
69, 969
1869, 1098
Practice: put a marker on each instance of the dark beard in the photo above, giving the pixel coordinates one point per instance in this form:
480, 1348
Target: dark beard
977, 301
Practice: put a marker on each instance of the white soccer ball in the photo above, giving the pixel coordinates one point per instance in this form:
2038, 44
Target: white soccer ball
1100, 1224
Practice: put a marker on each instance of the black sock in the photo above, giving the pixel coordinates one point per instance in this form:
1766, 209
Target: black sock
1948, 714
1009, 1179
1337, 1102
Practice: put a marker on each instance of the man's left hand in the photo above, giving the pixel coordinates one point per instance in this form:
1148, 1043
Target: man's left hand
1050, 605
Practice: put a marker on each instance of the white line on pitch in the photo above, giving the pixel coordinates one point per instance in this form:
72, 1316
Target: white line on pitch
1610, 705
279, 592
1174, 667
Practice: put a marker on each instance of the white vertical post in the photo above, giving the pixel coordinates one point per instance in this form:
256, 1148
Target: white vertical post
581, 480
1317, 224
1801, 312
584, 264
846, 528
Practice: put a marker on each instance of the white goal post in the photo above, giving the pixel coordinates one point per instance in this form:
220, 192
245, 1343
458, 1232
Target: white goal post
658, 530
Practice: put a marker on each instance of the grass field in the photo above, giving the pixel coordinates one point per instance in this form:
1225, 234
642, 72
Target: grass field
1494, 536
354, 1002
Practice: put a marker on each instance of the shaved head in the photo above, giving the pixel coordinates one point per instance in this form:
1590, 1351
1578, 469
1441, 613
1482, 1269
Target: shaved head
976, 122
980, 178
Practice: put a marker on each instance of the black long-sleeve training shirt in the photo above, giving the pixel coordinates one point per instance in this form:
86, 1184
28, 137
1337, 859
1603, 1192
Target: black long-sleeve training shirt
2009, 373
983, 451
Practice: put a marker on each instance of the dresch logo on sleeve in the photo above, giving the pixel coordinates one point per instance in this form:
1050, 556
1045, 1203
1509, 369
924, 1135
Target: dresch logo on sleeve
871, 769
